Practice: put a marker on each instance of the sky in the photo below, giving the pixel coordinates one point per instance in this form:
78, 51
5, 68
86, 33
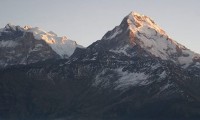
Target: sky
86, 21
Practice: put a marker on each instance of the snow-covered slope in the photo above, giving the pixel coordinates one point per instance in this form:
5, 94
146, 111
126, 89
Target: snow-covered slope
145, 33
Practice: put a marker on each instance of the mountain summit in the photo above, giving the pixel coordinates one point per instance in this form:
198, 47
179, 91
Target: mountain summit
146, 34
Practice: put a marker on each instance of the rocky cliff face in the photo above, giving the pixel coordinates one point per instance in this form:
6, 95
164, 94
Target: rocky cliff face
135, 72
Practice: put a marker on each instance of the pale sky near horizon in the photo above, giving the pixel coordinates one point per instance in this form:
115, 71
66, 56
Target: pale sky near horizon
86, 21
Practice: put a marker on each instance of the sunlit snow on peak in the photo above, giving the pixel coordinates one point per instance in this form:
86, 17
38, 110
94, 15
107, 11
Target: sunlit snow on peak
136, 20
27, 27
61, 45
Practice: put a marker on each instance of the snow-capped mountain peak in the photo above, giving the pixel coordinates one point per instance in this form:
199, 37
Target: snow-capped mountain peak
61, 45
24, 45
153, 39
142, 31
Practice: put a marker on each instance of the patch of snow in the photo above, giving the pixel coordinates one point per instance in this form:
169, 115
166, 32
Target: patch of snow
116, 31
95, 53
163, 75
102, 80
197, 64
36, 48
8, 43
18, 55
128, 79
89, 59
121, 50
185, 61
11, 52
38, 45
94, 58
165, 87
153, 67
120, 80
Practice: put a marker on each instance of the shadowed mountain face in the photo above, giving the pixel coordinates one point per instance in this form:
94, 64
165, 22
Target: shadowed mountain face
135, 72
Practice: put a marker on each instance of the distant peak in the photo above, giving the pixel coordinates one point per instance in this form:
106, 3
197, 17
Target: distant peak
61, 45
27, 27
10, 26
133, 13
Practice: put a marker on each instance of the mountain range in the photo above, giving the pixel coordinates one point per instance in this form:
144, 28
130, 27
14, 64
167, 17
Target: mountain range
136, 71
